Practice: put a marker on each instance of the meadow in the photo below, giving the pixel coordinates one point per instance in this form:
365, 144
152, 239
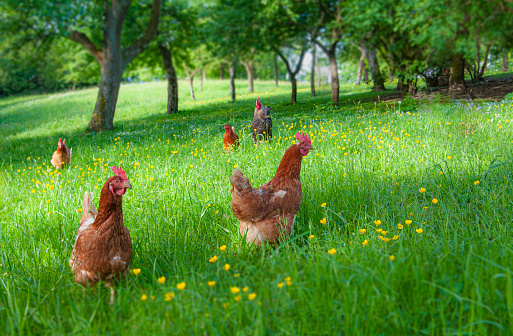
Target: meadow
405, 226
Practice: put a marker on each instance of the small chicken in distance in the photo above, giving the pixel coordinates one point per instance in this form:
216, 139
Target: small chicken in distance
103, 247
230, 138
62, 156
262, 126
267, 213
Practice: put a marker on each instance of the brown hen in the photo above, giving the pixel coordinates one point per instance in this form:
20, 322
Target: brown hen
62, 156
267, 214
103, 247
230, 138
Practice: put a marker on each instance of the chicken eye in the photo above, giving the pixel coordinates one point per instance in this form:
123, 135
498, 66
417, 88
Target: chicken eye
116, 181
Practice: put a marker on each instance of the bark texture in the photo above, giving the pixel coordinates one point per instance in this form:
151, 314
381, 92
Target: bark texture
248, 64
505, 61
172, 81
377, 77
457, 78
312, 74
361, 64
232, 78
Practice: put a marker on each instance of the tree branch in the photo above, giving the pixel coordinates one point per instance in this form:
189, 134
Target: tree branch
88, 44
138, 46
298, 65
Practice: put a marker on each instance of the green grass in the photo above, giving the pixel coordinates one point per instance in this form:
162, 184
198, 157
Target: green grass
369, 162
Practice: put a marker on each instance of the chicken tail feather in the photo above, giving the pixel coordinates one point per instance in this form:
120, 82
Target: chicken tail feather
239, 181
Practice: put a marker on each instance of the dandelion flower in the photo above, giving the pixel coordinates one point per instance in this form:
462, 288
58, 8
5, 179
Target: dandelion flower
252, 296
211, 283
222, 248
226, 267
161, 280
332, 251
181, 286
136, 271
144, 297
419, 231
213, 259
323, 221
434, 200
169, 296
365, 242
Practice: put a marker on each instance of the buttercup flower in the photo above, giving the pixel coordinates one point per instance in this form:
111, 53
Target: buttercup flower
365, 242
136, 271
362, 231
323, 221
169, 296
252, 296
161, 280
419, 231
377, 222
181, 286
332, 251
222, 248
226, 267
211, 283
213, 259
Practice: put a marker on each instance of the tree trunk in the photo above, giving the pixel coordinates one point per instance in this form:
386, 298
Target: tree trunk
293, 73
505, 61
191, 85
377, 77
400, 83
293, 97
319, 76
312, 75
249, 70
485, 61
112, 59
457, 78
232, 78
335, 86
201, 79
103, 115
361, 65
172, 81
275, 59
221, 73
365, 73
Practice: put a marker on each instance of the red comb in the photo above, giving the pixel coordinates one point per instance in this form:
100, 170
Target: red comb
258, 101
226, 125
303, 137
119, 172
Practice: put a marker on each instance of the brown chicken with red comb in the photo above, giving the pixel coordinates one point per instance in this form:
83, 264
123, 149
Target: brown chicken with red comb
230, 138
62, 156
103, 247
267, 214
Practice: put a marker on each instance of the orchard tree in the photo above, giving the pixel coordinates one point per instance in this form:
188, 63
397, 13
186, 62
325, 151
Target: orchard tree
113, 32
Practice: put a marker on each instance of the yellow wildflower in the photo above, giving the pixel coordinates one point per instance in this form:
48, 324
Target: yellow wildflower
144, 297
252, 296
311, 236
211, 283
136, 271
169, 296
434, 201
377, 222
362, 231
323, 221
180, 286
234, 290
407, 222
365, 242
332, 251
222, 248
323, 205
226, 267
392, 258
419, 231
422, 190
213, 259
161, 280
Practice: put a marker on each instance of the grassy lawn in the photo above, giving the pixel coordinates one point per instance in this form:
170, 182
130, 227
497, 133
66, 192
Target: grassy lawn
416, 199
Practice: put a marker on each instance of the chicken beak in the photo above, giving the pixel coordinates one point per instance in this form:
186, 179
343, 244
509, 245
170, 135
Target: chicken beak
127, 185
